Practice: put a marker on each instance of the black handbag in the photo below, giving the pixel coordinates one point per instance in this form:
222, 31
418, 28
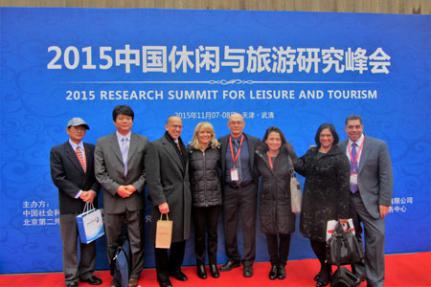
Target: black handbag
343, 248
120, 263
344, 278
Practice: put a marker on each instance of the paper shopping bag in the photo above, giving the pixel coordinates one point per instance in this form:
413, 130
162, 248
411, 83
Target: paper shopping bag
90, 224
295, 194
331, 224
164, 232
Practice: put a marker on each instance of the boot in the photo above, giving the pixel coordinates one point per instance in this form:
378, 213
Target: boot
200, 270
273, 272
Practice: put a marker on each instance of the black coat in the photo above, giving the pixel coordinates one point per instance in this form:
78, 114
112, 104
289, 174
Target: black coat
204, 177
275, 212
326, 191
168, 181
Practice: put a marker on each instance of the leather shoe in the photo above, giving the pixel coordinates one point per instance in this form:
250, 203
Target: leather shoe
229, 265
202, 273
320, 283
273, 272
247, 271
361, 277
179, 275
133, 282
281, 274
165, 283
93, 280
114, 283
214, 271
72, 284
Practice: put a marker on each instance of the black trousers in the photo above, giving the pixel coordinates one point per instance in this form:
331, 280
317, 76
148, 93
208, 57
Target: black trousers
278, 248
240, 206
169, 260
206, 220
319, 248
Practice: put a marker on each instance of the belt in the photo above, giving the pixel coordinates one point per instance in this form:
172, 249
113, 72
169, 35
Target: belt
239, 185
356, 193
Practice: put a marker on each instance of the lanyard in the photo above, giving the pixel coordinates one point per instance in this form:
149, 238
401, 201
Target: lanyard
236, 156
358, 152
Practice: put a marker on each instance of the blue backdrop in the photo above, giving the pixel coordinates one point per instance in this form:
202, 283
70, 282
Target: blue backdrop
292, 70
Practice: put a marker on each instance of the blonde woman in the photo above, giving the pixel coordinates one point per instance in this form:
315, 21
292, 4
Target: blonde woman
204, 156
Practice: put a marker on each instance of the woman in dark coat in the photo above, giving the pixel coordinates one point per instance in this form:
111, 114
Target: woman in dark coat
277, 222
326, 192
204, 158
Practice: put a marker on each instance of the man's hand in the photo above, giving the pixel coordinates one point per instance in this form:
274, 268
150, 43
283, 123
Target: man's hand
123, 192
88, 195
131, 188
91, 195
384, 210
164, 208
83, 196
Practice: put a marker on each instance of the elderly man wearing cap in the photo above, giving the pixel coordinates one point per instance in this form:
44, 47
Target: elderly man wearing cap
72, 171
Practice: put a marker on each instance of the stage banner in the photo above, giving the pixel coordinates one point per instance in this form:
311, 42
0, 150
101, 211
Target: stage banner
292, 70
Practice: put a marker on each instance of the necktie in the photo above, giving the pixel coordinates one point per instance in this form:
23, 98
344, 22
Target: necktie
125, 152
81, 158
354, 167
235, 145
178, 146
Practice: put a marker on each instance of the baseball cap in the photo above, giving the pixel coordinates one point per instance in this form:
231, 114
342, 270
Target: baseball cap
74, 122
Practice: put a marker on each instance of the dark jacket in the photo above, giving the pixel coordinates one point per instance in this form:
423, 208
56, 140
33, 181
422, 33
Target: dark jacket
275, 210
204, 177
168, 181
252, 142
69, 177
326, 190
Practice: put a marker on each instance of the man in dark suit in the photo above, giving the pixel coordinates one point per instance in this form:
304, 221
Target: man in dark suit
72, 171
120, 169
169, 189
371, 192
240, 194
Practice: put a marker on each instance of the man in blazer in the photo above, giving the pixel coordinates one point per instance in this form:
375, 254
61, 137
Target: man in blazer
239, 194
169, 190
72, 171
371, 187
120, 169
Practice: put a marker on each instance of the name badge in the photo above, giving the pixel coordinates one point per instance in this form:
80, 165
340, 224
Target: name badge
354, 178
234, 175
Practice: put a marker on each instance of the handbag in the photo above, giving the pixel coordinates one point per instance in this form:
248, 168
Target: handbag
295, 194
344, 278
343, 248
295, 191
90, 224
120, 263
164, 232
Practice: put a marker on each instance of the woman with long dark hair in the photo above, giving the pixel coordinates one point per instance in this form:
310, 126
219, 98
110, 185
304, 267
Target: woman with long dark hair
326, 192
275, 166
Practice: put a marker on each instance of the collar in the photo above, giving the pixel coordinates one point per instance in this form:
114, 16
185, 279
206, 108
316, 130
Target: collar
74, 145
359, 141
238, 138
120, 136
177, 141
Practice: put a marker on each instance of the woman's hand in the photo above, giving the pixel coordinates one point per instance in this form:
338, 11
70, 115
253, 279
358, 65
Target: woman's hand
343, 221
